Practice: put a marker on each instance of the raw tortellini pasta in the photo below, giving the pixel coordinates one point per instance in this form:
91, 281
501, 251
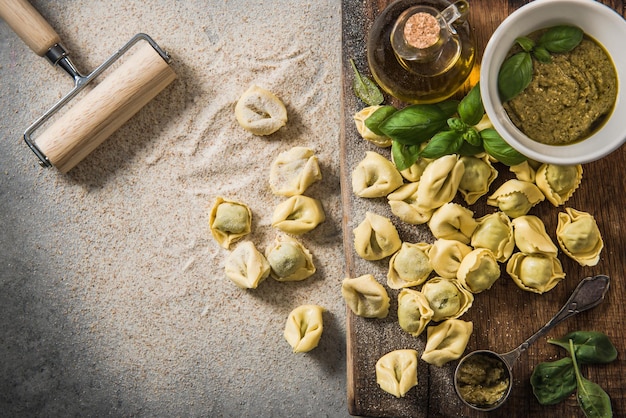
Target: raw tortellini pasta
447, 298
410, 266
414, 311
229, 221
558, 182
365, 132
289, 260
447, 341
304, 328
446, 256
298, 214
414, 172
365, 296
396, 372
403, 203
293, 171
453, 221
375, 176
260, 112
376, 237
516, 197
479, 270
440, 182
495, 232
531, 236
579, 237
246, 266
536, 273
477, 177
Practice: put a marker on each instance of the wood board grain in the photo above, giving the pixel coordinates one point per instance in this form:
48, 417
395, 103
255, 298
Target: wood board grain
504, 316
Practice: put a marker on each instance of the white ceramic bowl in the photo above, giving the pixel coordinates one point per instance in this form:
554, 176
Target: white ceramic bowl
595, 19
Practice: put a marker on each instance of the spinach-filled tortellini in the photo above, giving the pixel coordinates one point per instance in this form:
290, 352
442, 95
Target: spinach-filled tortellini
440, 182
446, 255
365, 296
365, 132
375, 176
289, 260
293, 171
531, 236
298, 214
229, 221
410, 266
447, 341
579, 237
403, 203
246, 266
479, 270
495, 232
454, 222
376, 237
559, 182
537, 273
477, 178
304, 328
516, 197
396, 372
414, 311
447, 298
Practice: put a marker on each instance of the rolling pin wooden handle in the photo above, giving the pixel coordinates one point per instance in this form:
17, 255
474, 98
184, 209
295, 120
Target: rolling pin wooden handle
29, 25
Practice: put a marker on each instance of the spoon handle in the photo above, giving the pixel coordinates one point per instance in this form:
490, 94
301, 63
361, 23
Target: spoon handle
588, 294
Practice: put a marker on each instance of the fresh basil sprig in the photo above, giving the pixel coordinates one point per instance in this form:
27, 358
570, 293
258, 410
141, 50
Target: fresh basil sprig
553, 382
365, 89
516, 72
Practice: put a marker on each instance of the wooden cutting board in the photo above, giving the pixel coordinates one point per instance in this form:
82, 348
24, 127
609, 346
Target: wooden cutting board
504, 316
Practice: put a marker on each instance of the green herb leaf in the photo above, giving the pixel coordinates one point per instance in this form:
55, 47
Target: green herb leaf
593, 400
473, 137
404, 156
591, 346
414, 124
496, 147
515, 75
542, 55
469, 149
443, 143
562, 38
457, 125
374, 120
449, 107
553, 381
526, 43
365, 89
471, 109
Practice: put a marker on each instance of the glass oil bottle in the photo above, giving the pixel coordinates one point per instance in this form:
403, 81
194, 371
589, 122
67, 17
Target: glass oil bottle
421, 51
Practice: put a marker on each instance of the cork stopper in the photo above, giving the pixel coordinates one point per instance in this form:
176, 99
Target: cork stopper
421, 30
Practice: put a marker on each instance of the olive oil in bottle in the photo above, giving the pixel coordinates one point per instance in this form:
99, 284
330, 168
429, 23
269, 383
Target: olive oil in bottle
421, 51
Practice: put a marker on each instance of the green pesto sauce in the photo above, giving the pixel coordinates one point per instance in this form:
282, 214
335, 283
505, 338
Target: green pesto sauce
569, 98
482, 380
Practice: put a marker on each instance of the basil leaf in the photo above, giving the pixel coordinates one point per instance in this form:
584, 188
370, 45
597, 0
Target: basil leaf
515, 75
542, 55
591, 346
365, 89
443, 143
374, 120
526, 43
471, 109
496, 147
593, 400
469, 149
561, 38
553, 381
457, 125
449, 107
414, 124
404, 156
473, 137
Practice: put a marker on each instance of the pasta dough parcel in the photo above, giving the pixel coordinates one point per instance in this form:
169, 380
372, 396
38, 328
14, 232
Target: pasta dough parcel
304, 328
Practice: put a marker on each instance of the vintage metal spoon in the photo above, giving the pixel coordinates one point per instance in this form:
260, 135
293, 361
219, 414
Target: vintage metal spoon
588, 294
